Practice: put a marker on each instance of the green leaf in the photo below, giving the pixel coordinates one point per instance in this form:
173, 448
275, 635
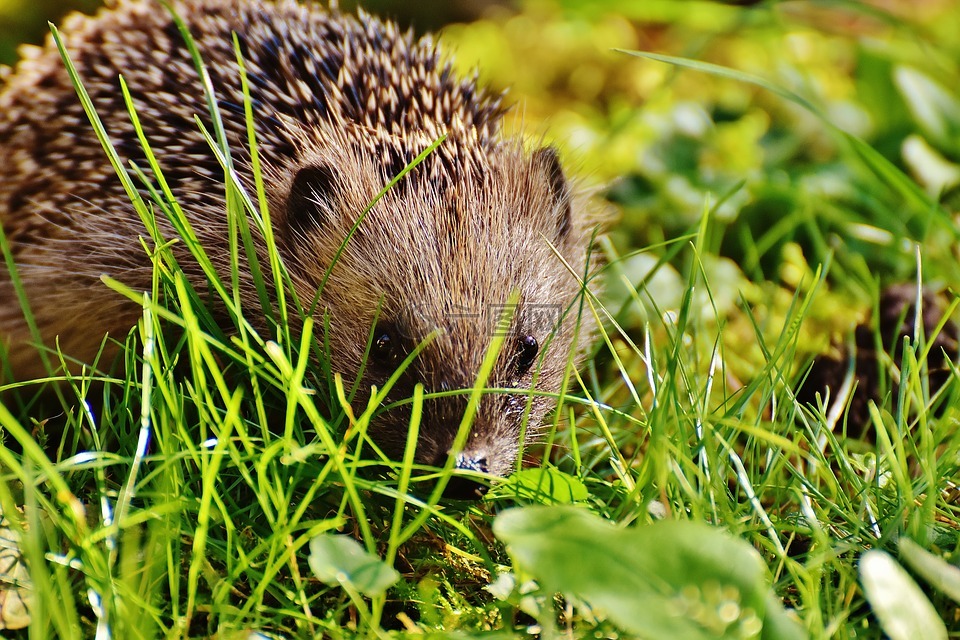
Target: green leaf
340, 560
904, 612
666, 580
935, 109
544, 486
941, 575
933, 171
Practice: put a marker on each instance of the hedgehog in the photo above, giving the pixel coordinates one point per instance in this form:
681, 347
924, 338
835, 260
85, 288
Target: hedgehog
342, 103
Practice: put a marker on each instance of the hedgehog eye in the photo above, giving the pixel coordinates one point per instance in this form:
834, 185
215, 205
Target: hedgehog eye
382, 349
526, 354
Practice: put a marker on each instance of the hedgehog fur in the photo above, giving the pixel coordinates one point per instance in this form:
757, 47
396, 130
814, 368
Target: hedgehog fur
341, 104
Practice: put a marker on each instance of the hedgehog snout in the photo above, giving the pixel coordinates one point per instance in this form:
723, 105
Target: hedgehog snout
472, 461
464, 488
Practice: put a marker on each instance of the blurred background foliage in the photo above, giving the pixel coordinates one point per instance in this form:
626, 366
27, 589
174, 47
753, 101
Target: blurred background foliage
786, 191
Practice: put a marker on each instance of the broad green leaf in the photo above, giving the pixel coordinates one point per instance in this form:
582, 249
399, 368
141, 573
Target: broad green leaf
933, 171
666, 580
543, 485
904, 612
16, 588
340, 560
936, 110
941, 575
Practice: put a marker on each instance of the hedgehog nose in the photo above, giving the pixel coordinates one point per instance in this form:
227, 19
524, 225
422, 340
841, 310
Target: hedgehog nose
463, 488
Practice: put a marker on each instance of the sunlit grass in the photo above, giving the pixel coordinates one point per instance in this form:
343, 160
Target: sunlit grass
177, 495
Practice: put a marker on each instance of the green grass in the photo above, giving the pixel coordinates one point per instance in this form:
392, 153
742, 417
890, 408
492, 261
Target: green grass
205, 486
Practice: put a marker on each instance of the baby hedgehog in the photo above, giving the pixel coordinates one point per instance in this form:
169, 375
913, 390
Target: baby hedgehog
341, 104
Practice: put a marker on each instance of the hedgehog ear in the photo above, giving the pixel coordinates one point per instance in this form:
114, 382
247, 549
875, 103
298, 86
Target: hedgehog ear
547, 161
311, 189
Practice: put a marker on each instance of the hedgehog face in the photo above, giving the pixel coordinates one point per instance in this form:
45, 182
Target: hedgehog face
437, 259
448, 364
